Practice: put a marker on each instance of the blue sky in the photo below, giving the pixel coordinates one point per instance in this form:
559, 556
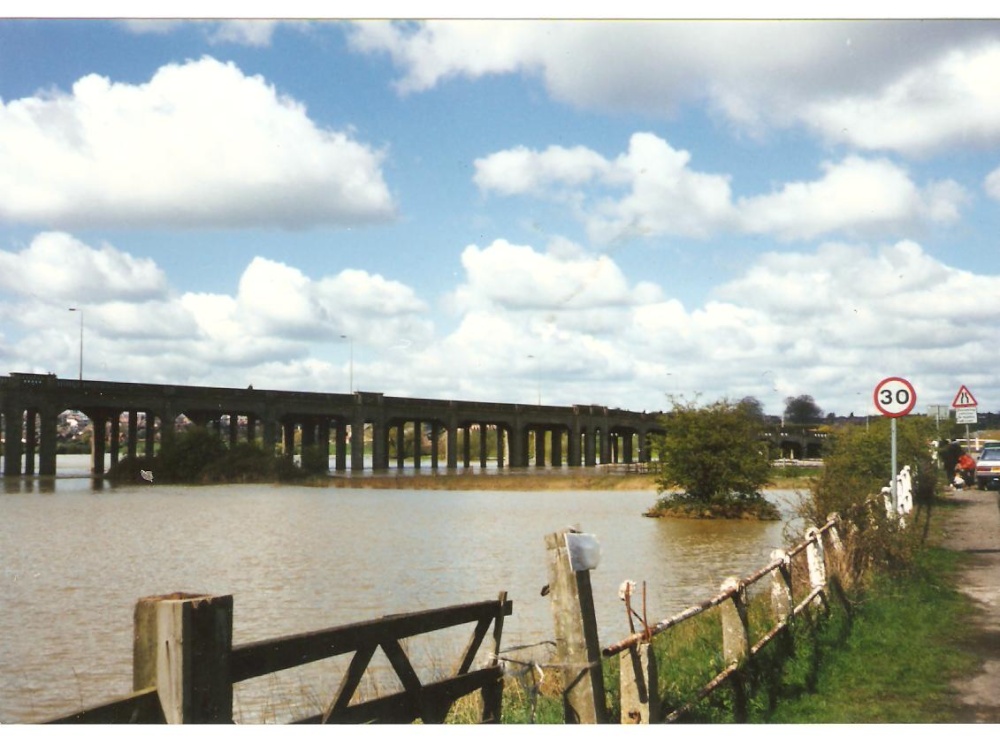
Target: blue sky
610, 212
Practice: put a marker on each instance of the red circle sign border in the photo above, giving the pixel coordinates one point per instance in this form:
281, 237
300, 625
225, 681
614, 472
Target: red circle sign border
909, 386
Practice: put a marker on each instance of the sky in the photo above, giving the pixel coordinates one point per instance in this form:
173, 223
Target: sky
573, 211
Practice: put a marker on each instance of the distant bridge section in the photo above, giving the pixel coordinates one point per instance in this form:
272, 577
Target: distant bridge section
357, 425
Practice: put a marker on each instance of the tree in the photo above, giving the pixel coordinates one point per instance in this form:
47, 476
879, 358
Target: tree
713, 453
753, 406
802, 410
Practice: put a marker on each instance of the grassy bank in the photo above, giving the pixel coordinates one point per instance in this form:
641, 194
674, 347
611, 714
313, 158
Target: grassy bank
907, 640
528, 480
886, 656
581, 479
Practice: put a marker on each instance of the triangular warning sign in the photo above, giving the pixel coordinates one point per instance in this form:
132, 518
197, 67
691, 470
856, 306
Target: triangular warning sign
963, 399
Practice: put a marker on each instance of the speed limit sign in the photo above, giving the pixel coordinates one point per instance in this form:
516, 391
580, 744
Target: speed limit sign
895, 397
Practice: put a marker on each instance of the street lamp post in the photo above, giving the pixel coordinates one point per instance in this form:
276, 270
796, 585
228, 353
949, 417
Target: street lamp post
538, 375
351, 368
80, 311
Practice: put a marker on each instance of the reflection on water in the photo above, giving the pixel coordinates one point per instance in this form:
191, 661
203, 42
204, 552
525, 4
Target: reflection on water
73, 561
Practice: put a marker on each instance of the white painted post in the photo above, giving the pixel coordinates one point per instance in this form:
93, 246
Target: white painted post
816, 560
781, 586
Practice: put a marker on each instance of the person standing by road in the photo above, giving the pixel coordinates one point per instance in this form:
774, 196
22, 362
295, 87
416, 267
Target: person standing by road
950, 453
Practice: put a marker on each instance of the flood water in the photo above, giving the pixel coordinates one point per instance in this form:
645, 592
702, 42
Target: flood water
74, 560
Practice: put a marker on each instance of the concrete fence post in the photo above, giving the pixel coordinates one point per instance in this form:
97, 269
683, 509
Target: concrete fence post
781, 586
578, 651
640, 698
182, 646
736, 640
816, 561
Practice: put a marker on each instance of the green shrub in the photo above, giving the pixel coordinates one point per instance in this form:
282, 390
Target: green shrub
715, 456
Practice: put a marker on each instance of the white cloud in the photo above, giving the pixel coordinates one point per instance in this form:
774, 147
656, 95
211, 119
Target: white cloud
991, 184
909, 86
251, 33
524, 171
200, 144
664, 195
651, 190
519, 278
63, 269
857, 196
951, 100
564, 325
276, 299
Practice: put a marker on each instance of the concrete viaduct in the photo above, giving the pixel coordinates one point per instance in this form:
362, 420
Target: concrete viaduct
586, 435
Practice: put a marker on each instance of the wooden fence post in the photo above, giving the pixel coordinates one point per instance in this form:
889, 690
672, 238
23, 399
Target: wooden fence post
182, 645
736, 640
640, 696
578, 651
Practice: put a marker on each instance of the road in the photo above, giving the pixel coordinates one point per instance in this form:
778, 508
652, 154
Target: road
974, 528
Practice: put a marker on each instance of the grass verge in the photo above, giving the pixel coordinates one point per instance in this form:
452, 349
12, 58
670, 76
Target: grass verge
885, 657
903, 646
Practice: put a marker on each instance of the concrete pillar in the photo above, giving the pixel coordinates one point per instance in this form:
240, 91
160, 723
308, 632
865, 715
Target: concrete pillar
518, 446
557, 436
234, 429
323, 439
132, 435
418, 445
47, 450
451, 444
168, 425
308, 433
115, 440
466, 446
380, 444
400, 446
340, 439
605, 444
627, 455
150, 447
98, 442
269, 435
288, 438
30, 442
573, 445
435, 437
358, 444
483, 443
589, 446
501, 445
13, 422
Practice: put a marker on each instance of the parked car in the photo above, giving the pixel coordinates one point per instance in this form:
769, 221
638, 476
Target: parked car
988, 468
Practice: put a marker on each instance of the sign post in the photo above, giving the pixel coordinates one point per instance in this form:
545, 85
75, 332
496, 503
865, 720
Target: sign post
965, 410
894, 397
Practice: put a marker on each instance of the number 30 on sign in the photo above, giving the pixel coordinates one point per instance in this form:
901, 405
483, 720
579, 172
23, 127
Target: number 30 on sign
895, 397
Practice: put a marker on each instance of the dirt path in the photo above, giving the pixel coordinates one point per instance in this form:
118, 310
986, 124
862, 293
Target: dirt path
975, 529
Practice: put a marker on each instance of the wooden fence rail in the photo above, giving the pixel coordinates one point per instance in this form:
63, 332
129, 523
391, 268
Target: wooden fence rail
185, 666
639, 684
